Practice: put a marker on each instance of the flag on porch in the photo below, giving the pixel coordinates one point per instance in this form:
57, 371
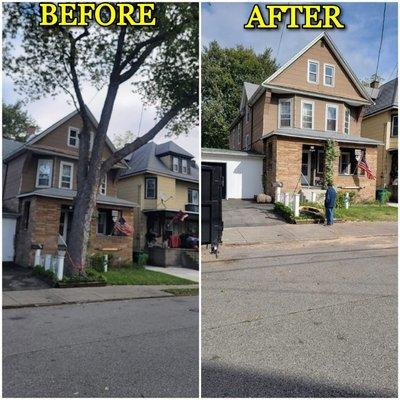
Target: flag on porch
122, 226
362, 164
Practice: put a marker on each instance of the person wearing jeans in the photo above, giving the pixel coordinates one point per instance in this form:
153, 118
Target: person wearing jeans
330, 200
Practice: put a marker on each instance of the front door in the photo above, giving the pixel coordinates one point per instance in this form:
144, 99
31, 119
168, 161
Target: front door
65, 224
306, 168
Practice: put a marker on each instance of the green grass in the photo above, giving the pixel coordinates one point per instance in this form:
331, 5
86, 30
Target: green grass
141, 276
183, 292
367, 212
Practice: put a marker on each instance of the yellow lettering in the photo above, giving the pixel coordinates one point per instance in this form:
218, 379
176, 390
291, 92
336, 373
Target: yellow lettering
255, 17
146, 14
312, 15
331, 14
125, 12
275, 13
293, 16
67, 16
98, 14
85, 12
48, 10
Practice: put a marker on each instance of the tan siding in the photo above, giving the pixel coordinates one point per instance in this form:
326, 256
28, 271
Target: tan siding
258, 124
13, 177
295, 76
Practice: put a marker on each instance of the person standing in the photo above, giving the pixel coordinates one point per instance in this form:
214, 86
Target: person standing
330, 201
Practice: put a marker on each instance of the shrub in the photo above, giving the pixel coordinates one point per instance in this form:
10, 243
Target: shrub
285, 212
89, 275
40, 271
340, 196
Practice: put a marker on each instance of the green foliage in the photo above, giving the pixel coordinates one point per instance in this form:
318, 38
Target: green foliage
89, 275
341, 195
367, 212
140, 258
284, 211
16, 122
331, 153
40, 272
223, 72
183, 292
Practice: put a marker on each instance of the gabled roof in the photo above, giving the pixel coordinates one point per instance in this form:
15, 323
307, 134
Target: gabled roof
386, 98
146, 160
322, 135
248, 90
50, 129
338, 55
9, 146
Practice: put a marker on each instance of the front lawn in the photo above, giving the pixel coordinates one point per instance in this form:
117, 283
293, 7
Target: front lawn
367, 212
141, 276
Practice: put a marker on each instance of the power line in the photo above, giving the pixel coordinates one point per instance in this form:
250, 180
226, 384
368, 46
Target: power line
394, 69
280, 39
380, 44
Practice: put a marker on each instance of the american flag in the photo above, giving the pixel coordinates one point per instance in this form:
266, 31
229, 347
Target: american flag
362, 164
122, 226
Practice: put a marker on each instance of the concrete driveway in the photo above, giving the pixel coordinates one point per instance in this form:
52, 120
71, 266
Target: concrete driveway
314, 319
16, 277
239, 213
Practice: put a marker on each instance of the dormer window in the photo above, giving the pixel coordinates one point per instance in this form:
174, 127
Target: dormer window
312, 73
184, 166
73, 137
395, 126
175, 164
329, 75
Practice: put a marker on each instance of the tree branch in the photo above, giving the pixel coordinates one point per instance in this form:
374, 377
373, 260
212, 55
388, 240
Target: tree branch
140, 141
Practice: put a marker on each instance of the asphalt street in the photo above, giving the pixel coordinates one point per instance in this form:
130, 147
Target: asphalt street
316, 319
135, 348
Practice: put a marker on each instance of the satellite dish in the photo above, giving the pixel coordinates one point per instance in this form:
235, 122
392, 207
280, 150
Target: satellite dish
163, 197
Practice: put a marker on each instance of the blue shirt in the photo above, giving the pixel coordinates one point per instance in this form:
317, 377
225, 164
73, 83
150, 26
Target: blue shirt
330, 197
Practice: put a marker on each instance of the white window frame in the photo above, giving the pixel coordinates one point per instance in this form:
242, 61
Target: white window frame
333, 75
312, 113
318, 159
105, 223
77, 137
173, 164
326, 116
392, 125
40, 160
308, 71
184, 165
193, 190
290, 100
344, 121
103, 183
146, 179
347, 153
62, 163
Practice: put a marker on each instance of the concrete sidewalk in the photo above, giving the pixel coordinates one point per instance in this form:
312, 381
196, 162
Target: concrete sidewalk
185, 273
52, 297
307, 232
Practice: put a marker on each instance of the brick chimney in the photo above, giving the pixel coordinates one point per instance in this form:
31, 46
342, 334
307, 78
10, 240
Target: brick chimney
31, 131
374, 84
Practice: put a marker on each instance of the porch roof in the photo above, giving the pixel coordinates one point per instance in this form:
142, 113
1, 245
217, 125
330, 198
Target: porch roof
322, 135
70, 194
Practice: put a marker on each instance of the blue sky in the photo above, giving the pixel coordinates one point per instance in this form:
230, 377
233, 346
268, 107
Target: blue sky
359, 42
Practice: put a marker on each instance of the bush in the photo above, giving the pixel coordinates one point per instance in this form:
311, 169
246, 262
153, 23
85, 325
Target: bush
88, 275
285, 212
340, 196
40, 271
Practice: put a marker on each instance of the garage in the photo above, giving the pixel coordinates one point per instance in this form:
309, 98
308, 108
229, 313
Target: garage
9, 227
241, 171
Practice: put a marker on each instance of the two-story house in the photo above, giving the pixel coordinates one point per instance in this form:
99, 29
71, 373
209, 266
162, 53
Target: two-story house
39, 185
313, 97
380, 122
163, 180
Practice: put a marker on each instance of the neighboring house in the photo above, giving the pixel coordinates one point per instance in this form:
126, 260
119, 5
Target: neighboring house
39, 183
241, 171
380, 122
314, 97
163, 180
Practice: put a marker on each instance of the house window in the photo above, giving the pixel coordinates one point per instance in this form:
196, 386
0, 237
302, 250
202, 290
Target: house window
27, 208
395, 127
312, 74
193, 196
346, 121
331, 117
307, 114
103, 186
184, 166
73, 137
285, 113
248, 113
247, 142
344, 163
105, 221
320, 162
44, 173
175, 164
150, 188
329, 75
102, 223
66, 175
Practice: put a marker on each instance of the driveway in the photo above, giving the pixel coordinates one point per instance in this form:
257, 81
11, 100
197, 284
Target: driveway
16, 277
318, 319
239, 213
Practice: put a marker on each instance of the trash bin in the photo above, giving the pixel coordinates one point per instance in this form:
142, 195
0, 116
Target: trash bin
381, 195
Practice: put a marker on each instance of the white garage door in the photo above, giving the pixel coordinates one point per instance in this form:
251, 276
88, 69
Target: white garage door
9, 225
